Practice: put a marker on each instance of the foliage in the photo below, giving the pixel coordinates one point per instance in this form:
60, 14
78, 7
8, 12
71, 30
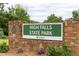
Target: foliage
2, 36
4, 48
13, 13
63, 50
67, 51
4, 40
1, 33
3, 18
53, 18
17, 13
75, 13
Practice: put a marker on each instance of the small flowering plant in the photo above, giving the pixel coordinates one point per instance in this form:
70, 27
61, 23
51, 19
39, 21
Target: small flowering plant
40, 51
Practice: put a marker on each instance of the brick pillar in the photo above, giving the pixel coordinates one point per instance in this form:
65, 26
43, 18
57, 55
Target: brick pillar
71, 35
15, 31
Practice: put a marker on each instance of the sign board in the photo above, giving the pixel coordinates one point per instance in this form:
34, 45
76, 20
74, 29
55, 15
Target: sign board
47, 31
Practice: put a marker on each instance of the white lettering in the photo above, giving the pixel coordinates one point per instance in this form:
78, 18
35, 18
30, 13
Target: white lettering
34, 32
46, 33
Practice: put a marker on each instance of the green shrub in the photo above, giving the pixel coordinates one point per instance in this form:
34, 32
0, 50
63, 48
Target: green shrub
2, 34
62, 50
54, 51
67, 51
4, 47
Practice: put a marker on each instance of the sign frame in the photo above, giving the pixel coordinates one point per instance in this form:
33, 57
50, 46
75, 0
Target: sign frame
42, 37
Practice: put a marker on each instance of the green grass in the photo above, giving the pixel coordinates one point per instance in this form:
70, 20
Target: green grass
4, 40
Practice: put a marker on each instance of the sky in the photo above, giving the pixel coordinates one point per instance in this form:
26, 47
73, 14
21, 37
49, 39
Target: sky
40, 9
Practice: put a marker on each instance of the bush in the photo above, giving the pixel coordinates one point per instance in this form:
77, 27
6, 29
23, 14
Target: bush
62, 50
67, 51
2, 36
4, 47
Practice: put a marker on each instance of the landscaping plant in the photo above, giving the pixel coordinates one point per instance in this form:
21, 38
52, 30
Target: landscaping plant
4, 47
62, 50
40, 51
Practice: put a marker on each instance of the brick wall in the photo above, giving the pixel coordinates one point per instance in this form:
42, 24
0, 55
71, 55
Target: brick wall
28, 45
71, 36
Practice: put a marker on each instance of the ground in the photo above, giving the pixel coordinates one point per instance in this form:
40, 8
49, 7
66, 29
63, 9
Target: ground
10, 53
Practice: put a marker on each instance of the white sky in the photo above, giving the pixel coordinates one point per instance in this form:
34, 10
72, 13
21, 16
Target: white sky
40, 9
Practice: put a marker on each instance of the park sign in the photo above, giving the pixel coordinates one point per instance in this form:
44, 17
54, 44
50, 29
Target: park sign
46, 31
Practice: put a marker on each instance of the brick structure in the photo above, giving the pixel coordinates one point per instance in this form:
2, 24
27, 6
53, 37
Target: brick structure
71, 34
27, 45
16, 42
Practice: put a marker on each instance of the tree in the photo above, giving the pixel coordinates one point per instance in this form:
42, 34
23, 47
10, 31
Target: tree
3, 18
1, 13
18, 13
53, 18
75, 13
13, 13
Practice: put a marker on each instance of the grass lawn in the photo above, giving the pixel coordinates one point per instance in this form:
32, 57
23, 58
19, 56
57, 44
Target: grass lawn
3, 40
